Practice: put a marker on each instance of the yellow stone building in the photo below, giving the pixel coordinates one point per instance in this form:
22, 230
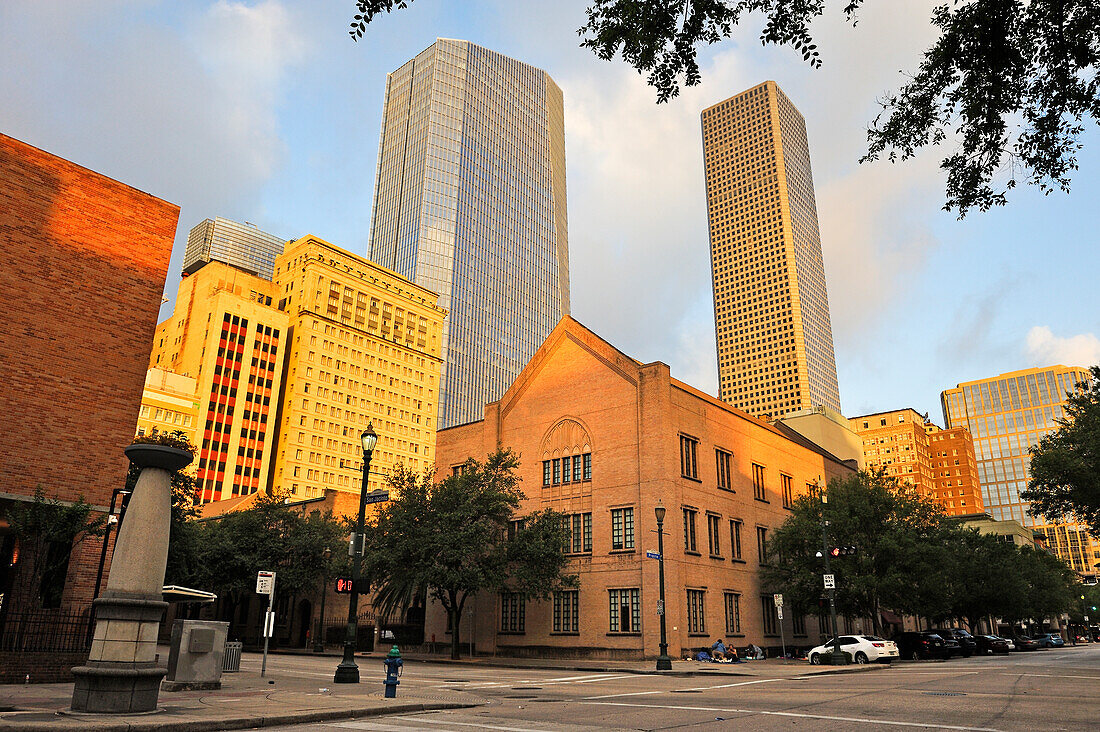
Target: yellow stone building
226, 333
771, 309
168, 404
1008, 415
364, 347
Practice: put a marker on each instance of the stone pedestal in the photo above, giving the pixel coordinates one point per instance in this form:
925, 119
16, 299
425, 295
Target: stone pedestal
121, 675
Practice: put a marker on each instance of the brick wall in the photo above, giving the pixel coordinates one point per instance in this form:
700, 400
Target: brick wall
83, 260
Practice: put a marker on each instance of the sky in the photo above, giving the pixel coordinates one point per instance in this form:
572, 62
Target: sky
265, 111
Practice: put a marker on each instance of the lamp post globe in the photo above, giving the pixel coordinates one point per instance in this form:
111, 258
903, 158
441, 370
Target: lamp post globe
348, 672
664, 663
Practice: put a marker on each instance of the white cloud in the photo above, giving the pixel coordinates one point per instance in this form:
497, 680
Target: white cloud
1046, 349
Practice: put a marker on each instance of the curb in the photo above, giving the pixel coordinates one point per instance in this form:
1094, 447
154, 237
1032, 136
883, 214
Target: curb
158, 721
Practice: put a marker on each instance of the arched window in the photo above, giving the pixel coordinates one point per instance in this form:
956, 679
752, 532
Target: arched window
566, 454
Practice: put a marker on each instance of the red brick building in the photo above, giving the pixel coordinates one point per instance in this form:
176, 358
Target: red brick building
84, 264
603, 437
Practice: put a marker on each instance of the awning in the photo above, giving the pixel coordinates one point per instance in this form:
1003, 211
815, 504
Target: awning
175, 593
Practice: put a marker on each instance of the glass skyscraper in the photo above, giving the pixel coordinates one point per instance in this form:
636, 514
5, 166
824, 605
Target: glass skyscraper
1007, 415
242, 245
469, 202
771, 309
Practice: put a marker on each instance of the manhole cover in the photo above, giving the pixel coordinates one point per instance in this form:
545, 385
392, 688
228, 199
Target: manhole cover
944, 693
456, 681
519, 696
526, 688
687, 691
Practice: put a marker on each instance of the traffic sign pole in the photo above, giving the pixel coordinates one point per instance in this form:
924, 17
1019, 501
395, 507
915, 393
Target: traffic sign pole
778, 600
265, 582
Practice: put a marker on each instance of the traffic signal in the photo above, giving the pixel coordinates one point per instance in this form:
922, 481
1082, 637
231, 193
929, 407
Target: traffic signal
842, 551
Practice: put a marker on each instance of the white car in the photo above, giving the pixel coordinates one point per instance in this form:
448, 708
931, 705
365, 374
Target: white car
862, 649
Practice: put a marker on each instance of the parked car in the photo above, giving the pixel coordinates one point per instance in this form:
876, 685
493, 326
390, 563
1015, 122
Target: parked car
916, 644
1049, 640
960, 636
1011, 645
862, 648
989, 644
1023, 643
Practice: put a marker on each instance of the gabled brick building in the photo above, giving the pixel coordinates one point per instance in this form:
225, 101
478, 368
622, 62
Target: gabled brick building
602, 438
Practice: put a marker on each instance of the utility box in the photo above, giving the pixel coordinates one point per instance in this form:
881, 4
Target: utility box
196, 655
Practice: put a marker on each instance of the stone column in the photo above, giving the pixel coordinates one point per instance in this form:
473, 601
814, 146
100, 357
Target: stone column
121, 675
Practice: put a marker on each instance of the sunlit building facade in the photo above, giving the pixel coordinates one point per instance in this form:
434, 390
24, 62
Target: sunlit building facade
242, 245
168, 405
363, 349
771, 309
1008, 415
470, 203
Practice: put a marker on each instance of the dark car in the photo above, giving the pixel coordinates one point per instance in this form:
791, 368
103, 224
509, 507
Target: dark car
1050, 640
924, 644
1023, 643
960, 636
987, 645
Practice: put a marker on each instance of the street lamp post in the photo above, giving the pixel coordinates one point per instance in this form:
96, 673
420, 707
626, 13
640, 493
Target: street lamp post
319, 638
347, 672
664, 663
111, 519
838, 657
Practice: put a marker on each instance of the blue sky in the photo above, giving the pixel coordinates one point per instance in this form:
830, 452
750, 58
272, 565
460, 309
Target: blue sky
265, 111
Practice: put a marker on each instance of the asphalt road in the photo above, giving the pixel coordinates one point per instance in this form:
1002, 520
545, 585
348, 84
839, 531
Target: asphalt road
1037, 691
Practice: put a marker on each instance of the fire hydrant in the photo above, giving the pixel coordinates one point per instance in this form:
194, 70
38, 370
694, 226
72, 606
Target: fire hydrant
393, 663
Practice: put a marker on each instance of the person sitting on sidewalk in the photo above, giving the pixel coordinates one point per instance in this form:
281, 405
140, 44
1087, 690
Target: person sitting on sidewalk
718, 651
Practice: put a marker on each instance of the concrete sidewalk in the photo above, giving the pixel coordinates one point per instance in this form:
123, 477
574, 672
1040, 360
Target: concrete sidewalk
244, 701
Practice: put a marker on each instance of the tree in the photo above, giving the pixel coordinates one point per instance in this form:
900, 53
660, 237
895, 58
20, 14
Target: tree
1013, 82
986, 579
452, 539
900, 561
1065, 465
48, 530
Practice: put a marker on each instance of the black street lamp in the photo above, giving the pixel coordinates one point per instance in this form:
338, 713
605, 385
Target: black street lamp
319, 638
112, 518
664, 663
347, 672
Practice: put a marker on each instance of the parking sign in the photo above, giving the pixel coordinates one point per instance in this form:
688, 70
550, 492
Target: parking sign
265, 582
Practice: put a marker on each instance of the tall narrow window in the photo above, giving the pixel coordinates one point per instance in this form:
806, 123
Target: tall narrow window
735, 539
624, 612
733, 612
688, 465
798, 621
622, 528
758, 490
771, 618
696, 615
557, 471
580, 533
788, 491
689, 529
762, 544
547, 472
713, 522
722, 460
577, 471
565, 611
588, 466
513, 612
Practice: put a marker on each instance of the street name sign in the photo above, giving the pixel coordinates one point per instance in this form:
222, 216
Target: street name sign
265, 582
652, 555
377, 497
830, 582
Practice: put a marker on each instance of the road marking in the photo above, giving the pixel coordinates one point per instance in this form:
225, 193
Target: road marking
673, 691
1055, 676
424, 720
861, 720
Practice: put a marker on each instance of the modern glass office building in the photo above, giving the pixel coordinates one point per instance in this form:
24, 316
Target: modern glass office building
242, 245
470, 203
1007, 415
771, 309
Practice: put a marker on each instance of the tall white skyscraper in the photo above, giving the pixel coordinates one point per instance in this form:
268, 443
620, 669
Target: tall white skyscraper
470, 203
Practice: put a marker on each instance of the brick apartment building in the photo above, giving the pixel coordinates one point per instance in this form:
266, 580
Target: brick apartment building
85, 259
602, 437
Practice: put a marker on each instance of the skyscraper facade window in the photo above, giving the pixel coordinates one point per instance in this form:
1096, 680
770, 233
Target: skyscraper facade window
470, 203
1008, 415
771, 309
242, 245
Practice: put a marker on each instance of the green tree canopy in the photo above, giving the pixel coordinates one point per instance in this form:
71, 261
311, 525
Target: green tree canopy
1011, 83
1065, 465
452, 539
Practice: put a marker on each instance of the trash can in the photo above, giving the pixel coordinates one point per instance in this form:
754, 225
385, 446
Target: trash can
232, 660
